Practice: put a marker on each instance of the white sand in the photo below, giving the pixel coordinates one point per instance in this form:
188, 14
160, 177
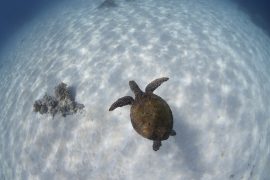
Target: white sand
218, 64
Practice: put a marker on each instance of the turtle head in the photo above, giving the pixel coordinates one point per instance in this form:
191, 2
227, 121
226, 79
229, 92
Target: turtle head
135, 88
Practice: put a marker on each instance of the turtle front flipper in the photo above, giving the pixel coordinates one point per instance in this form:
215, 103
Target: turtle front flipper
156, 145
126, 100
155, 84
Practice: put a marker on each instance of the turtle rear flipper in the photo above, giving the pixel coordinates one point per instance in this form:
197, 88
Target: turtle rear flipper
156, 145
155, 84
173, 133
126, 100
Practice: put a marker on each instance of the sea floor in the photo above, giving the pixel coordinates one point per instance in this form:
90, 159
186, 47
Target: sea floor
218, 64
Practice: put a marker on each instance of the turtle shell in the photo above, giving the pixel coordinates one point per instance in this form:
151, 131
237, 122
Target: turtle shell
151, 117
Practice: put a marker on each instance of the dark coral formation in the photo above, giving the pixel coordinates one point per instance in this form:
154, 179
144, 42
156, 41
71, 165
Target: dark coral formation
63, 102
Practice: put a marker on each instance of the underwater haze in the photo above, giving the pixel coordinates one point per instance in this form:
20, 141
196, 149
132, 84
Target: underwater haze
215, 53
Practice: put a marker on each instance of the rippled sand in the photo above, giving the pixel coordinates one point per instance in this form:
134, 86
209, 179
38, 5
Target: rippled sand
218, 64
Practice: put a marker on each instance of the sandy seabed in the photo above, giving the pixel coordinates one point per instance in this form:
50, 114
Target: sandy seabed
218, 64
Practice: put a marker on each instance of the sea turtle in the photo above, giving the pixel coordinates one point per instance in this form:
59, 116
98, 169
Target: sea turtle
150, 115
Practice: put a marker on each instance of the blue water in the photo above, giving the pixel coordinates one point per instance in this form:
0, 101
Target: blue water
258, 11
15, 13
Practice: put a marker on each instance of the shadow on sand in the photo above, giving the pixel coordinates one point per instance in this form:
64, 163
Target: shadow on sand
107, 4
187, 142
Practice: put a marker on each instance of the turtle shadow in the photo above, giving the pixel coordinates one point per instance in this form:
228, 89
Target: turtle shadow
187, 139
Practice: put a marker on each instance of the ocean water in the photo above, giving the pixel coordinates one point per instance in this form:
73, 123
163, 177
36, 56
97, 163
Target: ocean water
216, 54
